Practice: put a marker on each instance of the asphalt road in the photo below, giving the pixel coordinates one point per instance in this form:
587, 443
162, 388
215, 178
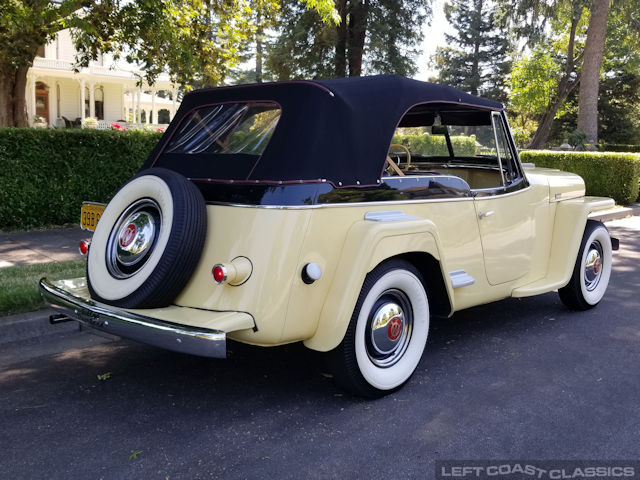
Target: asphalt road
518, 379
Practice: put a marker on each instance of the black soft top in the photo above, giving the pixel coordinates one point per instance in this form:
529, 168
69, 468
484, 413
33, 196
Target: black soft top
338, 131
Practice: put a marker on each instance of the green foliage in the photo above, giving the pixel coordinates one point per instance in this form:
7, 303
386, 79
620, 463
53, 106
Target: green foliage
19, 290
46, 174
577, 139
325, 8
534, 80
613, 147
615, 175
197, 41
477, 56
307, 48
436, 145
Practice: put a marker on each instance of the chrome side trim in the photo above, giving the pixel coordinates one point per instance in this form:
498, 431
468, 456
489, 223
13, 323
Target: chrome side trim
380, 203
179, 338
460, 278
387, 216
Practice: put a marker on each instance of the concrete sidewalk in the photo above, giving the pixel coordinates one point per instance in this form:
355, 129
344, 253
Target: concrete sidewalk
40, 246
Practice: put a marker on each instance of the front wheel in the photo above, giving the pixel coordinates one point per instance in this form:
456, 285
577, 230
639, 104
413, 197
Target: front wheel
387, 332
592, 270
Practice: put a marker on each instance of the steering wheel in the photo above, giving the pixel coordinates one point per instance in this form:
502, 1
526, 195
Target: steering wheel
406, 150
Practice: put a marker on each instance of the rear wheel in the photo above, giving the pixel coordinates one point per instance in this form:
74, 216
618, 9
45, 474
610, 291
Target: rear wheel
592, 270
387, 332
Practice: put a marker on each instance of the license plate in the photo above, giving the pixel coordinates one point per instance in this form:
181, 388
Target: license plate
90, 214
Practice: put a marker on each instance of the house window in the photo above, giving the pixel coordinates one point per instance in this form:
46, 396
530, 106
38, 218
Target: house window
163, 116
40, 52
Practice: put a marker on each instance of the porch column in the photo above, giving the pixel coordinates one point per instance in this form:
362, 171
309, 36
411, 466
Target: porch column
54, 104
82, 98
92, 103
132, 94
153, 108
174, 97
32, 95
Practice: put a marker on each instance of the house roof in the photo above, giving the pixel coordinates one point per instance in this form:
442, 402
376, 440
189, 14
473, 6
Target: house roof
338, 130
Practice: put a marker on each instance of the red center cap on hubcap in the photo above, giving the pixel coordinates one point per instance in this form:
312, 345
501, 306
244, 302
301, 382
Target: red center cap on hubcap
394, 328
127, 235
596, 266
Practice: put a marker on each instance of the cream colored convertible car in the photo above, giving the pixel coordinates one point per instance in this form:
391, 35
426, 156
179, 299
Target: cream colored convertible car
343, 214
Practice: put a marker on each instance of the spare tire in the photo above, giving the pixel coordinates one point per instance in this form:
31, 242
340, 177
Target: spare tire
148, 241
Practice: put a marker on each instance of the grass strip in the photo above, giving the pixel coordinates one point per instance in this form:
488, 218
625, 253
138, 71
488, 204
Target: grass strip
19, 285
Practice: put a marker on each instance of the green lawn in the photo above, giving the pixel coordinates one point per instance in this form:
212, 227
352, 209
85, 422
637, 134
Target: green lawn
19, 285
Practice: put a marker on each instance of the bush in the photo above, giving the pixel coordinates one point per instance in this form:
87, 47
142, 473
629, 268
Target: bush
615, 175
615, 147
46, 174
436, 146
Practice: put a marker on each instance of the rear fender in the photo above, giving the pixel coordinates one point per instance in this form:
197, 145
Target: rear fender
368, 243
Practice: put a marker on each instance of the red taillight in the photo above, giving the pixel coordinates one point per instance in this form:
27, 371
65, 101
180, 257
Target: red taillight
219, 273
84, 247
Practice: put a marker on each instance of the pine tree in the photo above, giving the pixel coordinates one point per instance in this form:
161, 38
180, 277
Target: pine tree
477, 57
374, 36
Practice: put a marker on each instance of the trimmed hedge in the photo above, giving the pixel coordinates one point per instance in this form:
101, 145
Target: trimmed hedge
615, 175
436, 146
46, 174
615, 147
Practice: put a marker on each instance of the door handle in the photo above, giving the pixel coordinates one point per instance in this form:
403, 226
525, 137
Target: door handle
485, 214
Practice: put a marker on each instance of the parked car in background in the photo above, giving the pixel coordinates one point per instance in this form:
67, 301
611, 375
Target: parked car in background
344, 214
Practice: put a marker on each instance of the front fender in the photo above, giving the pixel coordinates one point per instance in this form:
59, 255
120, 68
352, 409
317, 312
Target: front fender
368, 243
570, 221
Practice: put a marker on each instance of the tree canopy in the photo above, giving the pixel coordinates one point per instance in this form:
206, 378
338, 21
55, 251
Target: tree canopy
195, 41
477, 56
374, 36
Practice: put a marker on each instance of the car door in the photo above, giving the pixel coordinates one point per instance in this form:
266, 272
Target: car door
506, 214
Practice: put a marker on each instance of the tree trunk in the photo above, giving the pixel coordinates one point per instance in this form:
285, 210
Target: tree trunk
590, 78
565, 87
13, 102
475, 71
358, 15
341, 40
259, 36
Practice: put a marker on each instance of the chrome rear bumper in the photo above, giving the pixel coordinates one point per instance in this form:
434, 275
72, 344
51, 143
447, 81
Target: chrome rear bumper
180, 338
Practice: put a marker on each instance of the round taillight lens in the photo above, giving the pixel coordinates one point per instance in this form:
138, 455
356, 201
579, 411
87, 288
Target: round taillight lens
219, 273
83, 247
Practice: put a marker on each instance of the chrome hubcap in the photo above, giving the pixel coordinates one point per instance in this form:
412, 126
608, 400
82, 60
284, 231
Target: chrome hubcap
389, 328
593, 266
133, 238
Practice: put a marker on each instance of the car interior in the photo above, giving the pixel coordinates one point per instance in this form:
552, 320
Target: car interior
445, 139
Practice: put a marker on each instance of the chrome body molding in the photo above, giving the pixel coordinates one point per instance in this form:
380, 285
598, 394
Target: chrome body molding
180, 338
387, 216
460, 278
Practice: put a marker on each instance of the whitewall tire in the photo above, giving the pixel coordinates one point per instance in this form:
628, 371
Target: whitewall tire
387, 333
592, 270
148, 241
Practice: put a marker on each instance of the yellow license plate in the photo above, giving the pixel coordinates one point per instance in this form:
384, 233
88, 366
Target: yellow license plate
90, 214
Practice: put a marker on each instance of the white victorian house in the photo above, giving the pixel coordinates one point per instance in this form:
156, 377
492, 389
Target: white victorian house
105, 90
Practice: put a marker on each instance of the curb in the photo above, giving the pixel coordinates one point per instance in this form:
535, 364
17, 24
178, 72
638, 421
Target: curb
617, 213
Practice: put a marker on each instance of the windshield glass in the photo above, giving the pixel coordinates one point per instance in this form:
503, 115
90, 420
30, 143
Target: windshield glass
229, 128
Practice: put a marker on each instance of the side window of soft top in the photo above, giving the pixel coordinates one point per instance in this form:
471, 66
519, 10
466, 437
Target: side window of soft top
457, 140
